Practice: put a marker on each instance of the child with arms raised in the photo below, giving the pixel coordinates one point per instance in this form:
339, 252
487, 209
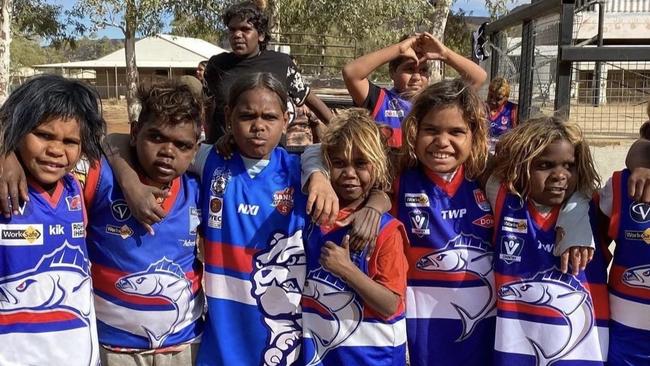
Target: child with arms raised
148, 293
545, 316
46, 310
409, 68
359, 294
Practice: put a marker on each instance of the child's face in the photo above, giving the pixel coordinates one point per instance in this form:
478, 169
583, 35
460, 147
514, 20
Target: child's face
410, 78
164, 151
51, 149
244, 38
553, 174
444, 140
257, 122
351, 177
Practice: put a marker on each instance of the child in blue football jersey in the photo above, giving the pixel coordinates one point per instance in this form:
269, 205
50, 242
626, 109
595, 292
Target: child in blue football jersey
543, 314
46, 309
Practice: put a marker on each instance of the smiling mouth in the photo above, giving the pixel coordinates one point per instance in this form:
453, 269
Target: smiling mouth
556, 189
439, 155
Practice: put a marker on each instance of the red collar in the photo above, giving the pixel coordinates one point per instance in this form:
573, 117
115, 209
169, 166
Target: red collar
450, 187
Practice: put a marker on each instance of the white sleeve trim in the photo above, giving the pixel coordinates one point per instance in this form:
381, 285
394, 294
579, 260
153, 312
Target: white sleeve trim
311, 162
607, 198
574, 220
201, 157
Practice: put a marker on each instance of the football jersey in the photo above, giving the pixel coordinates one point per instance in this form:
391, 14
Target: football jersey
389, 111
254, 261
503, 120
147, 287
629, 278
339, 329
450, 296
545, 317
46, 307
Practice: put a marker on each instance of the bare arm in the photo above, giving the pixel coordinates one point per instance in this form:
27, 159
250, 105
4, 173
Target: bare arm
13, 185
336, 259
638, 185
356, 72
320, 109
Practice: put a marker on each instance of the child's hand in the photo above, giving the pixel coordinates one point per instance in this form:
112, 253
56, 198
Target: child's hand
144, 203
407, 49
364, 230
430, 48
579, 257
322, 202
225, 146
13, 185
336, 259
638, 185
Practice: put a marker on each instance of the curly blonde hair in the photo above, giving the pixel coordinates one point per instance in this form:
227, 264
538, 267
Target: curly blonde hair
354, 128
518, 148
442, 95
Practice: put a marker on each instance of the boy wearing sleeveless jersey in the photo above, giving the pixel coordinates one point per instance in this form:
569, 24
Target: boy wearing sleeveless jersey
353, 306
148, 293
408, 67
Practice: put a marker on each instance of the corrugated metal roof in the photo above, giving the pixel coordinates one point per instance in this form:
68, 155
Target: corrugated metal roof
160, 51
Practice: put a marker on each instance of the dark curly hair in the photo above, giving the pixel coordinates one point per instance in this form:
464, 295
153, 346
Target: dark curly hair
170, 103
46, 97
249, 11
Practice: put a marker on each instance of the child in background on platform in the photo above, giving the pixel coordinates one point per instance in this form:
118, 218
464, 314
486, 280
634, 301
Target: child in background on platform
46, 304
409, 68
543, 314
502, 113
371, 324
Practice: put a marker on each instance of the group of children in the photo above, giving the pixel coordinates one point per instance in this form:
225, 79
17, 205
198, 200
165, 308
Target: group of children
467, 269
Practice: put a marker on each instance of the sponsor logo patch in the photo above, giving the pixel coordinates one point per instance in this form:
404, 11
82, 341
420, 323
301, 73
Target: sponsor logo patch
215, 216
123, 231
419, 222
513, 225
416, 200
283, 200
246, 209
638, 235
511, 247
640, 212
486, 221
21, 234
74, 203
219, 182
481, 200
78, 230
56, 229
195, 220
120, 210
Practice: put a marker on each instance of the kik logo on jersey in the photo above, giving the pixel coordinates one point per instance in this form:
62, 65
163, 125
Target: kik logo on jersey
511, 247
419, 222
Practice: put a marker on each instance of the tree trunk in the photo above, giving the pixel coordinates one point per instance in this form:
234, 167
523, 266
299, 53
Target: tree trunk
132, 77
5, 46
439, 22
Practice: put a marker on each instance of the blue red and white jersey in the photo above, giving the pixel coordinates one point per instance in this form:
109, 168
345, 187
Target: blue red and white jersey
629, 277
147, 288
338, 327
450, 295
545, 317
46, 306
503, 120
254, 261
389, 111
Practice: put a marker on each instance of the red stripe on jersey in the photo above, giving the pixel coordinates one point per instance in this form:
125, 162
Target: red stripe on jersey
380, 102
36, 317
92, 180
615, 218
230, 257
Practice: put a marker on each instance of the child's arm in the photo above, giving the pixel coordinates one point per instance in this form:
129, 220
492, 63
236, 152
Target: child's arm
638, 185
319, 108
433, 49
13, 185
336, 259
574, 238
365, 221
356, 72
141, 198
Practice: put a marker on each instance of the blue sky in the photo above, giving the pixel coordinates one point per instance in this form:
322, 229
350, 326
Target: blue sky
475, 7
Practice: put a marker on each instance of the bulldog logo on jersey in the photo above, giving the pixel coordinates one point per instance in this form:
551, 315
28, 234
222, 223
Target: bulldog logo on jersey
220, 179
471, 254
55, 294
278, 279
637, 276
342, 313
563, 295
283, 200
166, 280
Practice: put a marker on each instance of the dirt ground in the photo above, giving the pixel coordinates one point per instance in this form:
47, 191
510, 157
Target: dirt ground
115, 116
